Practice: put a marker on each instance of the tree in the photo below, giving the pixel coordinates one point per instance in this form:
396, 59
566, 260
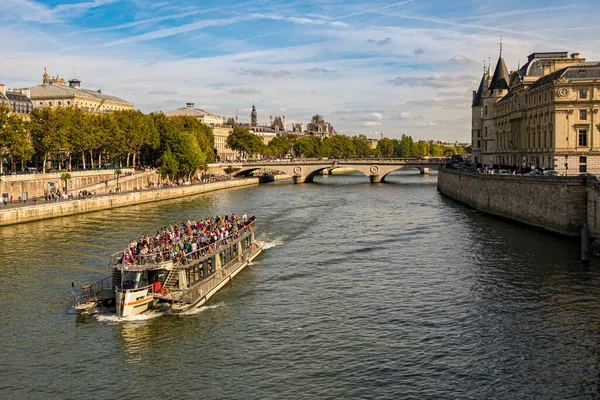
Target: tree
47, 133
338, 146
169, 166
244, 142
279, 146
405, 147
308, 146
362, 146
118, 173
65, 177
385, 147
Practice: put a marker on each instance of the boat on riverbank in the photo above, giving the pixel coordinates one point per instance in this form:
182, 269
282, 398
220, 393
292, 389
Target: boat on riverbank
171, 278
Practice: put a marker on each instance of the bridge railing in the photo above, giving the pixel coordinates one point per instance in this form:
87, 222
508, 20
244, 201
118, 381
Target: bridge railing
369, 160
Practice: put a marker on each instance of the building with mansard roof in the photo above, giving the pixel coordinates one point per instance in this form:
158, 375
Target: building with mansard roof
17, 101
319, 127
54, 92
542, 115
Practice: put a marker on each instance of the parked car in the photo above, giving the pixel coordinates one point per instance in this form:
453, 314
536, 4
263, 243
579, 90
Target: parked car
550, 173
590, 177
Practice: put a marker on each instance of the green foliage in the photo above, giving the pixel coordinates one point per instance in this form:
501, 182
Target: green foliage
15, 141
65, 177
279, 146
244, 142
385, 147
362, 146
308, 146
169, 166
338, 146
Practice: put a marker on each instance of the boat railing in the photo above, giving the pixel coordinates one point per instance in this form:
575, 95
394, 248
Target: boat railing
212, 281
103, 284
142, 261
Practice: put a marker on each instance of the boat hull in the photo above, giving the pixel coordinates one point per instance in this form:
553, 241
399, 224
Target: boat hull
132, 302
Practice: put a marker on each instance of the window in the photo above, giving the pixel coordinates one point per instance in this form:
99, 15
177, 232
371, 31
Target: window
486, 110
583, 159
583, 93
583, 115
479, 144
583, 137
583, 168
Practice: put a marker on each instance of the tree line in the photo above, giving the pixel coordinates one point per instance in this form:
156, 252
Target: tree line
249, 145
64, 138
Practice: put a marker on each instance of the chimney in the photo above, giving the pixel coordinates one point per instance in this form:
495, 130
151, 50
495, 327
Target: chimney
575, 56
189, 104
2, 89
26, 92
271, 120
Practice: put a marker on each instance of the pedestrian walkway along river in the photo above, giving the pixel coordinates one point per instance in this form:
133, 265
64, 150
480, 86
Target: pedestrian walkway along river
364, 291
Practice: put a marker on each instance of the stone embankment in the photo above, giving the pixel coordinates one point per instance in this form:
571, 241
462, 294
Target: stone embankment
557, 204
37, 184
59, 209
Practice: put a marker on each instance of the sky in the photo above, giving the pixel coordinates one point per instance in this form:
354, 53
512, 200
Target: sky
380, 68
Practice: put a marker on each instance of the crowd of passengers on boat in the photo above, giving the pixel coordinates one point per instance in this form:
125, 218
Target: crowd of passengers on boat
185, 242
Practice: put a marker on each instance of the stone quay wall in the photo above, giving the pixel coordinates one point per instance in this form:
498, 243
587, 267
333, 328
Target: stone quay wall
37, 184
557, 204
59, 209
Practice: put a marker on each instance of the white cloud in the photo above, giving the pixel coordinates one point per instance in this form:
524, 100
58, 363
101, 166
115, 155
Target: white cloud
371, 123
406, 115
376, 115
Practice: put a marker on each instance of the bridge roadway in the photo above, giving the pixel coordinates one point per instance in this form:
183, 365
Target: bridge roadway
304, 170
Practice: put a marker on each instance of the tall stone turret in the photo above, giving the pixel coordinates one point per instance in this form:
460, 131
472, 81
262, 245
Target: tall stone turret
477, 116
253, 116
498, 88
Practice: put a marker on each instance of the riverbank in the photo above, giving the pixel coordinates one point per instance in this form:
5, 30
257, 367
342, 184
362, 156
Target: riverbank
557, 204
60, 209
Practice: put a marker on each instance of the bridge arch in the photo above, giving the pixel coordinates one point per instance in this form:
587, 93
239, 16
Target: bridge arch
305, 170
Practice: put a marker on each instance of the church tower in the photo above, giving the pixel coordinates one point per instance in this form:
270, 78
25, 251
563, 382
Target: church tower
253, 116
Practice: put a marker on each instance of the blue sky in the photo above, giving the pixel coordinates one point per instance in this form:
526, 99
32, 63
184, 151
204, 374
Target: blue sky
367, 66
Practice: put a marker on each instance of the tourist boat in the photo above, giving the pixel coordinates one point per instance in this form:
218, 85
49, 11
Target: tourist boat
142, 282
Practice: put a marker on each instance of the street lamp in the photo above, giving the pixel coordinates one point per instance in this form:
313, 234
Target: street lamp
567, 164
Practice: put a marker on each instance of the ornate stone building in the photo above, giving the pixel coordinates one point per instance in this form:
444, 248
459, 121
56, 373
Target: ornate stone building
53, 93
545, 117
201, 115
318, 127
17, 101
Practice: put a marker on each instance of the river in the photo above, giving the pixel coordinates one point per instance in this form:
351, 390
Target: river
364, 291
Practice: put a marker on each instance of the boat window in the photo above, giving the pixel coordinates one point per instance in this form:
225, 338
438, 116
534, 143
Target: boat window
131, 280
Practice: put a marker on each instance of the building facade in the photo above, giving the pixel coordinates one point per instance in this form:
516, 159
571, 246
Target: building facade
53, 93
546, 117
17, 101
205, 117
318, 127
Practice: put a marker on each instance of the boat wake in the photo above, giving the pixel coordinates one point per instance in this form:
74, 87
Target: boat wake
198, 310
274, 243
130, 318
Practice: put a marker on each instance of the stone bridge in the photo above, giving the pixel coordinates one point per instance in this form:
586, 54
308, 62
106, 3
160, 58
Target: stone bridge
305, 170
